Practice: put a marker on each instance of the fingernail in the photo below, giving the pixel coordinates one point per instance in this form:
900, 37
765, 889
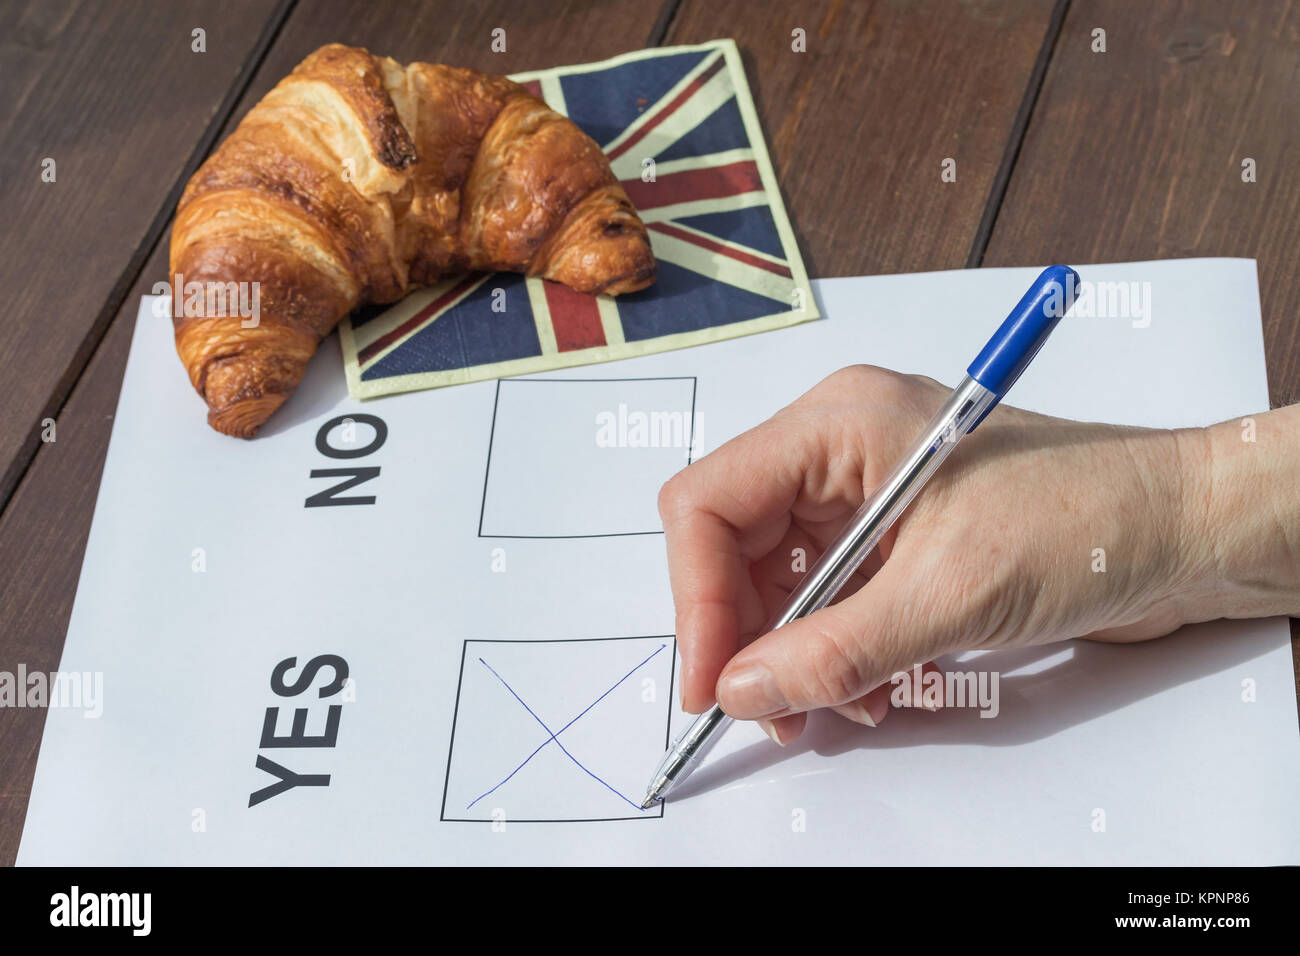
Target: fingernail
769, 728
866, 715
752, 692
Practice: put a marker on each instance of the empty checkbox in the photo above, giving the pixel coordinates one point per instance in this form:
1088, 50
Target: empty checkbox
576, 458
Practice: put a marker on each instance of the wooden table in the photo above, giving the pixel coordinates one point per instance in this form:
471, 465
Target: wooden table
1063, 153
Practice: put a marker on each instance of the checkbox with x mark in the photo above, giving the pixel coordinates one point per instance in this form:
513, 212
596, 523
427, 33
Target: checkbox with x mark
558, 730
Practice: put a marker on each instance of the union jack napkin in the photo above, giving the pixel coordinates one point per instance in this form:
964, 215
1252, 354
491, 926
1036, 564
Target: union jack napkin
681, 133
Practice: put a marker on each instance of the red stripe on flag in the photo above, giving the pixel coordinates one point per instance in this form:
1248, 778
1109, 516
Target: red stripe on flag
710, 182
414, 322
704, 242
575, 318
691, 89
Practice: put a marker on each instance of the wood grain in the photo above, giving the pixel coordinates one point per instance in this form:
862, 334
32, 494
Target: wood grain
54, 502
859, 125
42, 540
1136, 153
537, 35
117, 98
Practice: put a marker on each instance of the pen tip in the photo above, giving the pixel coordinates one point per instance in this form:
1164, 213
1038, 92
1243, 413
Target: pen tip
650, 800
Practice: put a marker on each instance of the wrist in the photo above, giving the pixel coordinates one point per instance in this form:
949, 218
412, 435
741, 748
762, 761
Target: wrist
1241, 516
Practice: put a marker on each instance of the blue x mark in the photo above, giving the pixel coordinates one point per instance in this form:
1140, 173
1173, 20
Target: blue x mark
554, 735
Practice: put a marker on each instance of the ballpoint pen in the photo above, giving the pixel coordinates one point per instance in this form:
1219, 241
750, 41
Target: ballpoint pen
988, 378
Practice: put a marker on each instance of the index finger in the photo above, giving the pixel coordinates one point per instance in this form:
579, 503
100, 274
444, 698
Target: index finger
720, 513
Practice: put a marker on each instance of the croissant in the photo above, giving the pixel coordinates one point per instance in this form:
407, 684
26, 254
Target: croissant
357, 179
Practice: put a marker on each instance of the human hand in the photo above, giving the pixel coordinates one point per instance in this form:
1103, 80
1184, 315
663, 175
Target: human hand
998, 550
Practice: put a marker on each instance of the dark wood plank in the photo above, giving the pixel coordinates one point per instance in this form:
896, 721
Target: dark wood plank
53, 504
1136, 153
459, 32
859, 125
42, 540
118, 99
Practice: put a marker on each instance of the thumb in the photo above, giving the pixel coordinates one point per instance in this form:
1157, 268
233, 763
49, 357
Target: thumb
834, 655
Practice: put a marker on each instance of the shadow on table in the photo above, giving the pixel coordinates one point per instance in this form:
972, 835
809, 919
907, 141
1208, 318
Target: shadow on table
1041, 692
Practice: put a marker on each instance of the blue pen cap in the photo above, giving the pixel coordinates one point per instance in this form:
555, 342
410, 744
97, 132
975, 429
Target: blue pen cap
1019, 338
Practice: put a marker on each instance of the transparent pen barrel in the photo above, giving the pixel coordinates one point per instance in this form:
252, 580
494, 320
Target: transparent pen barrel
959, 414
882, 508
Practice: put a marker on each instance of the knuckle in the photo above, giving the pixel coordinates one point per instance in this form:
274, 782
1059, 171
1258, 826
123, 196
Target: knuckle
834, 674
855, 377
867, 383
675, 497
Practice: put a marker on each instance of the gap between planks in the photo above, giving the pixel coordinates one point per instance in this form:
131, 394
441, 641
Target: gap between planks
126, 281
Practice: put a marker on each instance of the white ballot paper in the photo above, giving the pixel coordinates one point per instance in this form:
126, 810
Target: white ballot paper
437, 627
